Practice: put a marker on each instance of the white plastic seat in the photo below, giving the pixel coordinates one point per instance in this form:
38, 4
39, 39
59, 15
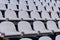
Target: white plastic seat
22, 2
56, 9
45, 15
52, 5
45, 38
35, 15
51, 25
2, 7
23, 15
25, 27
48, 1
57, 37
45, 4
39, 26
25, 39
41, 8
53, 1
12, 7
8, 28
23, 7
37, 2
42, 1
48, 8
32, 7
54, 16
4, 1
14, 2
10, 14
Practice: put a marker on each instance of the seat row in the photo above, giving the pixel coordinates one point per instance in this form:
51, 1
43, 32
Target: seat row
7, 29
20, 1
33, 15
31, 7
43, 38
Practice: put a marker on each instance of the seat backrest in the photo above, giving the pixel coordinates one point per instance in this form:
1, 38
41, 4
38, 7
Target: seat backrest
56, 9
41, 8
35, 14
23, 14
51, 25
7, 26
57, 37
53, 1
10, 14
42, 0
32, 7
22, 7
14, 2
45, 38
54, 15
23, 2
25, 39
48, 1
38, 26
2, 6
24, 26
48, 8
12, 6
4, 1
45, 15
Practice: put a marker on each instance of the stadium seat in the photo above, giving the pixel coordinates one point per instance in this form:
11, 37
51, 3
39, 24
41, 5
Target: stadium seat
40, 8
54, 16
4, 1
12, 7
57, 37
56, 9
52, 4
10, 14
36, 0
25, 39
51, 25
45, 38
45, 15
48, 8
23, 7
25, 27
39, 26
32, 7
24, 15
22, 2
2, 6
42, 1
48, 1
35, 15
53, 1
8, 29
14, 2
45, 4
38, 3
